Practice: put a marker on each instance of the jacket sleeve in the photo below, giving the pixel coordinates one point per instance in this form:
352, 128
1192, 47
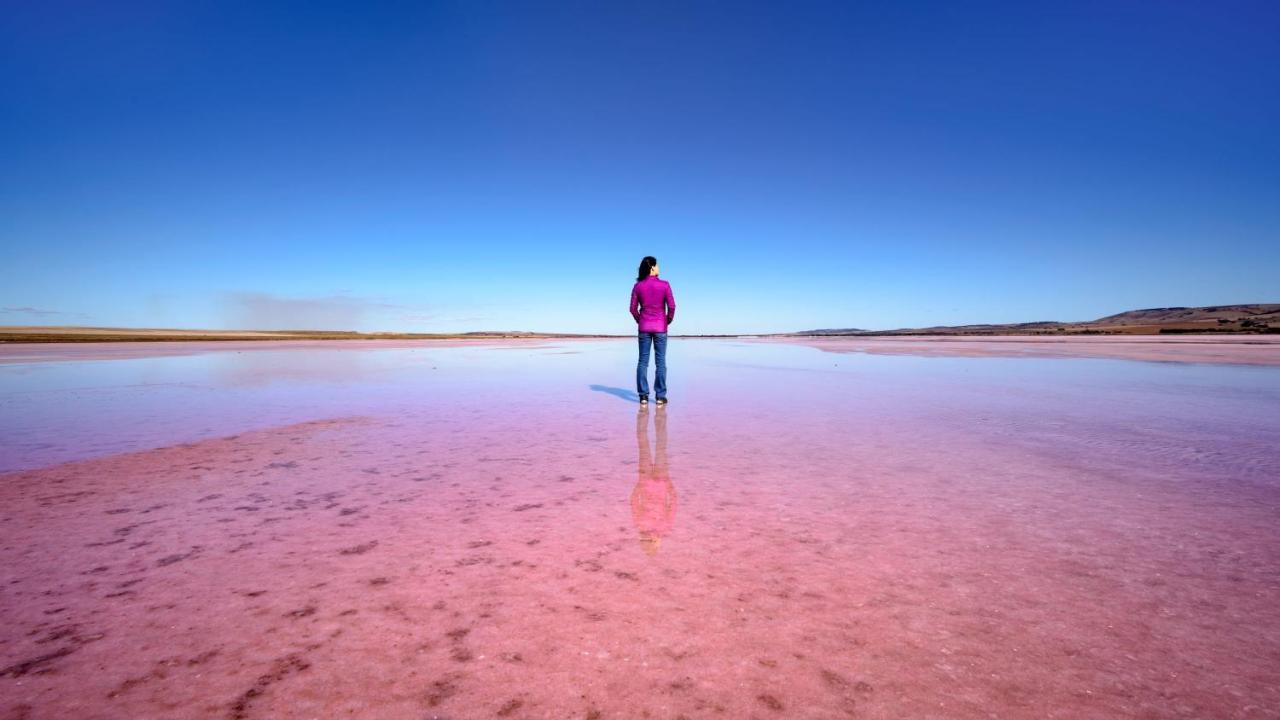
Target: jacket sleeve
671, 305
635, 304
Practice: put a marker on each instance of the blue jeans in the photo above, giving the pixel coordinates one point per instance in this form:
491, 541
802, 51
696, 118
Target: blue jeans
659, 341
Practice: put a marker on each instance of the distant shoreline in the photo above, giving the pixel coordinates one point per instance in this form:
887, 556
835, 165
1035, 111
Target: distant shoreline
1251, 319
29, 334
1233, 349
13, 338
116, 335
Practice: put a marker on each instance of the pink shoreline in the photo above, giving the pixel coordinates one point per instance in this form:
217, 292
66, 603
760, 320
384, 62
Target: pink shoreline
1250, 350
1246, 350
52, 352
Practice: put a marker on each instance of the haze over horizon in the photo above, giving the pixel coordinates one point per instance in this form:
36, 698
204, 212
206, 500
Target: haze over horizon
448, 167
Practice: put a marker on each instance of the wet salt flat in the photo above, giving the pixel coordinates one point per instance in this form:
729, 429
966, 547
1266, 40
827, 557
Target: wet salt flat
401, 530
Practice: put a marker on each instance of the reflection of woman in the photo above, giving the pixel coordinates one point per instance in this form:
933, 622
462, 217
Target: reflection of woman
654, 308
653, 501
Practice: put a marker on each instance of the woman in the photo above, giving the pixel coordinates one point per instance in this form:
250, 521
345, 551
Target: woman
648, 296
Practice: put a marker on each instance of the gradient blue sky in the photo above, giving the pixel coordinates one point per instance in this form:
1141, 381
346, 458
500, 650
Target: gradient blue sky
477, 165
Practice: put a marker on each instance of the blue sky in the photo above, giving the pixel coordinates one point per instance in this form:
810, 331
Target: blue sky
477, 166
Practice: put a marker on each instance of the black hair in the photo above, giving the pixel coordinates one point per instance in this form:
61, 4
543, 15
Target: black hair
646, 265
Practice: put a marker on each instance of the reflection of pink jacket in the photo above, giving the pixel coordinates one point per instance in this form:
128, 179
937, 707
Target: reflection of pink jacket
653, 504
647, 298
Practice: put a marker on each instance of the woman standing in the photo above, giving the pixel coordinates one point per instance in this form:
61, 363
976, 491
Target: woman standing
648, 297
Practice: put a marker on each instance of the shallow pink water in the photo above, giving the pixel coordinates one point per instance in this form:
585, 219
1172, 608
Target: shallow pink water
484, 532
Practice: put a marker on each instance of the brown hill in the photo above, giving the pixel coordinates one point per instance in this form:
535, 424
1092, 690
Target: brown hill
1175, 315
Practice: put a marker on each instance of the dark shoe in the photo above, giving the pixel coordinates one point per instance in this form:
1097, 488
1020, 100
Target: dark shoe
644, 400
661, 401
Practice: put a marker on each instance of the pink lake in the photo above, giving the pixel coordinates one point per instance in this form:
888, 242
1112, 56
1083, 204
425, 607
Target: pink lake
845, 529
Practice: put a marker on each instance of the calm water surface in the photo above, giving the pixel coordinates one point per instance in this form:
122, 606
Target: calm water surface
499, 531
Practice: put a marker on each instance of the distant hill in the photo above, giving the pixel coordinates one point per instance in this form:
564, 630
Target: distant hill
1177, 315
1256, 318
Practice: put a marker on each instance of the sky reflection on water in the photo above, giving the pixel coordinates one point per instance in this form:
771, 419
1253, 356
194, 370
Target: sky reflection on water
58, 411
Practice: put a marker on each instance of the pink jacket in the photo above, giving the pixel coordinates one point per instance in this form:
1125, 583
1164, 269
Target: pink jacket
647, 299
